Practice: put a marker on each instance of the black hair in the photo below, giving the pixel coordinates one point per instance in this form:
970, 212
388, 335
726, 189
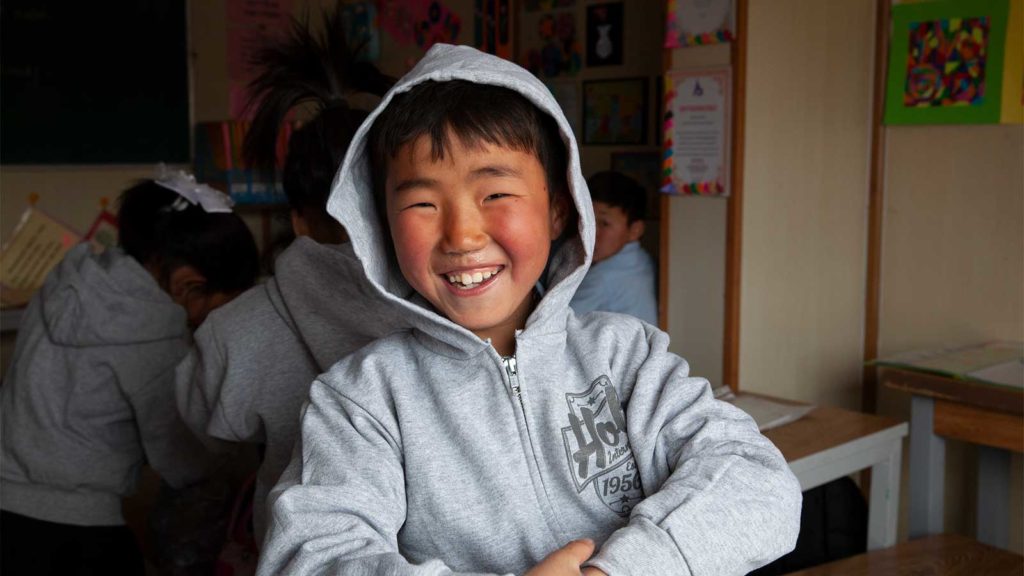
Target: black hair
475, 114
318, 70
619, 191
163, 231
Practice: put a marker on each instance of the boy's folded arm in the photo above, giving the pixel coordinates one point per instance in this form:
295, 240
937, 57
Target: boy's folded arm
341, 502
720, 498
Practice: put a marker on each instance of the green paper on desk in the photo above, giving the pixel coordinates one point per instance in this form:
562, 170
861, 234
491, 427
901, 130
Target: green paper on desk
1000, 363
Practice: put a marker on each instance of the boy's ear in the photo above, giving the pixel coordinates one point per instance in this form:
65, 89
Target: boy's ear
559, 214
636, 230
184, 281
299, 224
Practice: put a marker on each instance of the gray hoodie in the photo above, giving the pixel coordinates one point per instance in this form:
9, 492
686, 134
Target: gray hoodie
428, 453
89, 394
254, 358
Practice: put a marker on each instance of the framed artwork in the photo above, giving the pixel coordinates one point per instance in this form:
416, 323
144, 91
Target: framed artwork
604, 34
645, 168
615, 111
697, 124
551, 44
946, 62
699, 22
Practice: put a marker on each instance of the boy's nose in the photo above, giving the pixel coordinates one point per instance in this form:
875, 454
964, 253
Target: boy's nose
464, 230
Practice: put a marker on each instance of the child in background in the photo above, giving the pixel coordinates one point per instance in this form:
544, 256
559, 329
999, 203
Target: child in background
253, 361
501, 426
621, 277
86, 399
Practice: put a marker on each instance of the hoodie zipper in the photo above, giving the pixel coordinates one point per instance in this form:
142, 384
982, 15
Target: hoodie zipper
512, 369
513, 376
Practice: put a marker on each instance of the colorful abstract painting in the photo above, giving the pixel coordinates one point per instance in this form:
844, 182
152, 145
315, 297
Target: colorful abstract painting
946, 63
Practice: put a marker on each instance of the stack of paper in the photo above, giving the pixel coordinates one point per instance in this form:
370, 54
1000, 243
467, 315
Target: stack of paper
766, 413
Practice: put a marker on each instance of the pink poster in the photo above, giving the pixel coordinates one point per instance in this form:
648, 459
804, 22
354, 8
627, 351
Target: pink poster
423, 22
250, 24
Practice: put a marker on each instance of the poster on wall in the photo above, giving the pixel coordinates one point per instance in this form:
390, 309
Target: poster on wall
946, 62
699, 22
696, 132
615, 111
251, 25
492, 27
420, 22
551, 45
604, 35
38, 243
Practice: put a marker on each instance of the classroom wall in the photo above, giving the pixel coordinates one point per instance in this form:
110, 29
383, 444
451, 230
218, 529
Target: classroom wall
953, 267
809, 83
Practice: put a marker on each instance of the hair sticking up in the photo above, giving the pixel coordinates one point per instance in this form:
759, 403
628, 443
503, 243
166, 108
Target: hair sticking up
320, 71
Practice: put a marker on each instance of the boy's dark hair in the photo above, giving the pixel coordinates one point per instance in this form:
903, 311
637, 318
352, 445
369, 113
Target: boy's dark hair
619, 191
318, 70
474, 113
156, 233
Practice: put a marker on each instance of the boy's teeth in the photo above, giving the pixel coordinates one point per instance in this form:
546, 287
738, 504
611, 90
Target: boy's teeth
468, 279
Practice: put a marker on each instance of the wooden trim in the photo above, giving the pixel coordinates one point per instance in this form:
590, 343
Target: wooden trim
664, 218
979, 426
876, 205
734, 217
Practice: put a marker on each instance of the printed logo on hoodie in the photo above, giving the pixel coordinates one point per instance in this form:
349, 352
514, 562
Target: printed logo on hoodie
597, 448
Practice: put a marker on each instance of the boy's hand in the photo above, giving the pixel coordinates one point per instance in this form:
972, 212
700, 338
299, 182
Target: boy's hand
565, 560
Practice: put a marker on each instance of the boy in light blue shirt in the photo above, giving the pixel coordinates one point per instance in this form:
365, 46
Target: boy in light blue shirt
621, 278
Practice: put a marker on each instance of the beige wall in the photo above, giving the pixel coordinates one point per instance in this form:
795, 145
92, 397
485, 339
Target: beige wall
953, 266
805, 184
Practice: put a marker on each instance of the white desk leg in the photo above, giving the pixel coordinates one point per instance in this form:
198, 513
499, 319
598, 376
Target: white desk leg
927, 470
993, 496
884, 503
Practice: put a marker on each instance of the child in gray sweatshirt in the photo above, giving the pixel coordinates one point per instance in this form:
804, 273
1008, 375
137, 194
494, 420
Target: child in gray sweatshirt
501, 426
89, 395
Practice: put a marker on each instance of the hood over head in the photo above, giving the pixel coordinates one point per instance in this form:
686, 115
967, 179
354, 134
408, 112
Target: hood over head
352, 201
108, 299
322, 287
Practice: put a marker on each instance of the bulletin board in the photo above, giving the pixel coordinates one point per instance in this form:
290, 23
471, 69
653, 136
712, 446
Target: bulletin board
94, 82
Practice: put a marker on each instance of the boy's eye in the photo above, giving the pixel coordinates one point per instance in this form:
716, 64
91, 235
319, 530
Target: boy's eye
497, 196
419, 205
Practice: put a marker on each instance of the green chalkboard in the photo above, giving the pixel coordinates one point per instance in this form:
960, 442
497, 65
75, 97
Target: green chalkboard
93, 82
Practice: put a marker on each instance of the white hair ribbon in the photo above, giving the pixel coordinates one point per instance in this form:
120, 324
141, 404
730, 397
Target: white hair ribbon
209, 198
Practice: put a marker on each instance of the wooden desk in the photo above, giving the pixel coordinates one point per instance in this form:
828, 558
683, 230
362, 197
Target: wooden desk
944, 555
987, 415
830, 443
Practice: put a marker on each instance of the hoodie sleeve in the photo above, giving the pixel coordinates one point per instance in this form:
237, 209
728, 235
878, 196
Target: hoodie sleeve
339, 505
720, 498
203, 391
174, 452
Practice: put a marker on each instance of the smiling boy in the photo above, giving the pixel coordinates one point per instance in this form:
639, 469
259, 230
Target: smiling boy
501, 427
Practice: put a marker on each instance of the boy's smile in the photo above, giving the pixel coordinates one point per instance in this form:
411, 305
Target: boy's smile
472, 232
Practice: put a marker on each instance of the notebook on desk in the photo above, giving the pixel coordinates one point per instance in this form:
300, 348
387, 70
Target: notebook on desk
767, 413
1000, 363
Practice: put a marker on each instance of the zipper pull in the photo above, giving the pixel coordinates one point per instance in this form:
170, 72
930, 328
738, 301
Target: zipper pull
513, 374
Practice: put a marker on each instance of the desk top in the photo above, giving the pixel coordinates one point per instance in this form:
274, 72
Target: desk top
823, 428
941, 555
971, 393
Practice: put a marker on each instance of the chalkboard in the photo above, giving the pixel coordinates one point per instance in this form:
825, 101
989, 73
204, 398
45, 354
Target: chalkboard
94, 82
